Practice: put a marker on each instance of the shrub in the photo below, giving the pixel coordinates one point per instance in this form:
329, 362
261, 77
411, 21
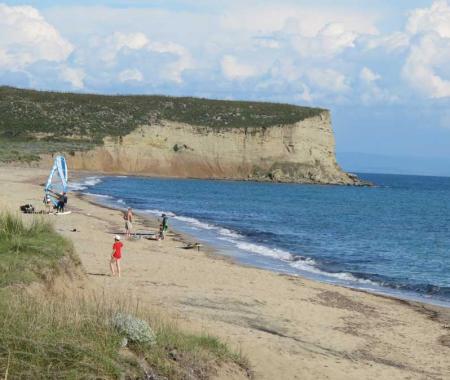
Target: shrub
135, 330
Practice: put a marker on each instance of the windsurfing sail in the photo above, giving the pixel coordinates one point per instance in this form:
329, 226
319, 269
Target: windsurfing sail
57, 180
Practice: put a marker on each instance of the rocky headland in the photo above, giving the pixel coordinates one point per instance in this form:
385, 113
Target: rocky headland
173, 137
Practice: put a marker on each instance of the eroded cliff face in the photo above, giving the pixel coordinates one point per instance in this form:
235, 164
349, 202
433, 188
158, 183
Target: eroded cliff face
302, 152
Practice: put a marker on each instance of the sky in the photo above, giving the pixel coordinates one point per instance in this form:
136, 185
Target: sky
381, 67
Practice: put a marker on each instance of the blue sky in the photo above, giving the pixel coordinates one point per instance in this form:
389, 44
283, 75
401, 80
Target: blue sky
380, 66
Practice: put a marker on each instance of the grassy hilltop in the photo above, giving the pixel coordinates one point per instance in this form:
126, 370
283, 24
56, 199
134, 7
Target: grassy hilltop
40, 122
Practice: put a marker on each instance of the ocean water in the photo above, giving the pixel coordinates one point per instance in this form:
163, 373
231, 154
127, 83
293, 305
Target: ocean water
393, 238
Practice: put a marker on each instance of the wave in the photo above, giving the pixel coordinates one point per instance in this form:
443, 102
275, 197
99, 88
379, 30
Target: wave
195, 222
309, 265
85, 183
159, 212
275, 253
402, 284
98, 195
230, 233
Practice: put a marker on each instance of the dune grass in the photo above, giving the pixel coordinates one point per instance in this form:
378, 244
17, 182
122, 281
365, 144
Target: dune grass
30, 251
50, 336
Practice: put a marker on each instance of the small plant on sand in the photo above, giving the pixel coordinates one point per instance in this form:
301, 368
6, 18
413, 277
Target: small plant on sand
134, 329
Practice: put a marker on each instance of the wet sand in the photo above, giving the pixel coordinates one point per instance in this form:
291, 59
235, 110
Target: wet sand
288, 327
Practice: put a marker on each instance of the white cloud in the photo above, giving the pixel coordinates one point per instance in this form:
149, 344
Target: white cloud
286, 70
130, 75
174, 70
111, 46
305, 95
115, 50
371, 92
269, 43
26, 38
310, 19
74, 76
273, 45
328, 80
290, 51
424, 59
368, 75
233, 69
397, 41
331, 40
433, 19
429, 55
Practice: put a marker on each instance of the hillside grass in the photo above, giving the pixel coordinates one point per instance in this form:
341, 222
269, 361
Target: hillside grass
71, 337
30, 251
28, 116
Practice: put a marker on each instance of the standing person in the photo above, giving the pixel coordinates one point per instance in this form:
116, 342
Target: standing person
62, 201
164, 226
48, 203
128, 222
116, 256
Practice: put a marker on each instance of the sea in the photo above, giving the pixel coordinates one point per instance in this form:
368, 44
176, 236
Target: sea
392, 238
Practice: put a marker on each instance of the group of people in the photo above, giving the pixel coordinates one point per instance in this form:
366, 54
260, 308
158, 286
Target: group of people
60, 203
163, 226
117, 246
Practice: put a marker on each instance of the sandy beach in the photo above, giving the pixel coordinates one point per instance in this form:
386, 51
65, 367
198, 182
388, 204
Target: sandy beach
288, 327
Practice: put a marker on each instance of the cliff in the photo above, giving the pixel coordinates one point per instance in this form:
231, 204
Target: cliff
178, 137
301, 152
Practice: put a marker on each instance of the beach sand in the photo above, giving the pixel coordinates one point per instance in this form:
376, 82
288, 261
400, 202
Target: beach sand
288, 327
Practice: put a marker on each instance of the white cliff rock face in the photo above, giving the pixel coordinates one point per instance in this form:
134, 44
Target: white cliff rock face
302, 152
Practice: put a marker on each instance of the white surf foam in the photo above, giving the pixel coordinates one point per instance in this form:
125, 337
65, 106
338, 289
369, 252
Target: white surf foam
159, 212
229, 233
221, 231
92, 181
195, 222
99, 195
85, 183
308, 265
265, 251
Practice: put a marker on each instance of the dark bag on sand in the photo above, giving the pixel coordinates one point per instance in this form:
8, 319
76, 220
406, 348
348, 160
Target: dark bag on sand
27, 209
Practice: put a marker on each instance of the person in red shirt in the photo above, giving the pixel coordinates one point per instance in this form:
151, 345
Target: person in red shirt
116, 256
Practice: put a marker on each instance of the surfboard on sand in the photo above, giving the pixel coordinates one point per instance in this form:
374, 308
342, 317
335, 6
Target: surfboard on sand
63, 213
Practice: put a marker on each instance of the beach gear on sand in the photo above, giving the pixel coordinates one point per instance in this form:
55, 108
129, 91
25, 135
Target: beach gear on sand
56, 185
27, 209
63, 213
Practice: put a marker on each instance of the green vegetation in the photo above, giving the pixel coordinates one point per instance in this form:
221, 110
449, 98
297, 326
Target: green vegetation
45, 336
30, 252
29, 150
80, 119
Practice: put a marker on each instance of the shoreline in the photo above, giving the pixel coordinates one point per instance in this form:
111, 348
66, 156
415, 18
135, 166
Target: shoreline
39, 165
375, 289
215, 253
289, 327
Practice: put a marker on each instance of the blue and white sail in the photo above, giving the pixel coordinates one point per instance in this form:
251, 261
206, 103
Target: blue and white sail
57, 180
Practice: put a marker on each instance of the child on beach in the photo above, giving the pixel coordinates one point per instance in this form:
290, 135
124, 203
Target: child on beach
116, 256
